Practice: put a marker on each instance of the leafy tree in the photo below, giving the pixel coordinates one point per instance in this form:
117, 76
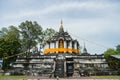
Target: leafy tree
111, 62
14, 40
48, 34
109, 52
1, 47
1, 33
118, 49
30, 34
9, 46
12, 34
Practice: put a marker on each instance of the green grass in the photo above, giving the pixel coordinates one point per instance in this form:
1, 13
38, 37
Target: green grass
107, 77
3, 77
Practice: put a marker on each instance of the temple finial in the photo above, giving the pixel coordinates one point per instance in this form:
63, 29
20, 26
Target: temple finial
61, 22
84, 45
84, 50
61, 27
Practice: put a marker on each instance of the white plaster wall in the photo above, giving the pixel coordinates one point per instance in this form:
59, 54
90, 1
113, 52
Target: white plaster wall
70, 45
46, 46
52, 45
75, 45
18, 65
65, 44
56, 44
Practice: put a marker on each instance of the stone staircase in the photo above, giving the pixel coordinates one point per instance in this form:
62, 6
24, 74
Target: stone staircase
76, 74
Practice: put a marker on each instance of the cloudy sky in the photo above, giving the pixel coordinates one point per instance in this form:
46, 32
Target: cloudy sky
95, 22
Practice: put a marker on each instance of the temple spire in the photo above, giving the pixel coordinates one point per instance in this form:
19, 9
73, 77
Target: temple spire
61, 22
84, 50
61, 27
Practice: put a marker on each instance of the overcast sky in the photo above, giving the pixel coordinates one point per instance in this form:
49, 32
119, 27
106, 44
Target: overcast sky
95, 22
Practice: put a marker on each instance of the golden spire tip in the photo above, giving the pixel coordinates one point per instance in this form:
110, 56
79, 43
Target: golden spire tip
61, 22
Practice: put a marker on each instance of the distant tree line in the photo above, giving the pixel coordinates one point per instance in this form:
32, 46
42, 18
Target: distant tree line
21, 38
113, 63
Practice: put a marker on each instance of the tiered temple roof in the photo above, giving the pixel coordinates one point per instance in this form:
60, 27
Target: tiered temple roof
61, 42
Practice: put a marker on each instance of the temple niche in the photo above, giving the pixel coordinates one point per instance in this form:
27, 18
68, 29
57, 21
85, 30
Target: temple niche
61, 58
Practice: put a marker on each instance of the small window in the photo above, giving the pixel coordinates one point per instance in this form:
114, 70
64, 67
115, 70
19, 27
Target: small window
59, 69
70, 67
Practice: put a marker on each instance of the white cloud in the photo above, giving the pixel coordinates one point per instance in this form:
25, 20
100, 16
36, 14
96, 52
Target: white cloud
58, 8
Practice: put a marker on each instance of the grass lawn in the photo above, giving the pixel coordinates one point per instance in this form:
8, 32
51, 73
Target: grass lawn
2, 77
107, 77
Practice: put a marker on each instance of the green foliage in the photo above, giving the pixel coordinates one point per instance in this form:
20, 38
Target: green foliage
106, 77
109, 52
31, 32
113, 63
11, 77
9, 45
48, 34
15, 40
118, 49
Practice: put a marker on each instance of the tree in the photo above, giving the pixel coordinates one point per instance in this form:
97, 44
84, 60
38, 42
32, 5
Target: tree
48, 34
109, 52
9, 46
30, 34
15, 40
1, 33
118, 49
112, 63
